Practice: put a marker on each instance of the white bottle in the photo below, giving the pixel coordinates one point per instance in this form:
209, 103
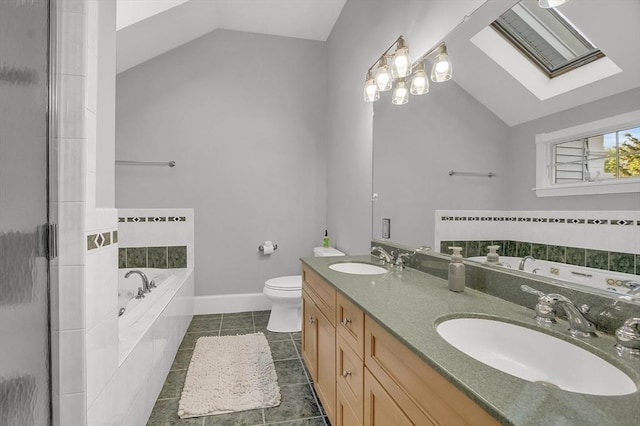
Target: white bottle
492, 256
456, 270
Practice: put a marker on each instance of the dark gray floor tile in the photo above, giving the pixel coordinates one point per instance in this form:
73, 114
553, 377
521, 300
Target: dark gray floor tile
165, 413
173, 385
261, 320
290, 372
242, 418
190, 339
237, 331
182, 359
298, 344
283, 350
206, 324
229, 323
315, 421
273, 337
297, 403
258, 313
296, 336
238, 315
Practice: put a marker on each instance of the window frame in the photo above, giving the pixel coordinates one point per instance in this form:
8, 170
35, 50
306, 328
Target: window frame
545, 151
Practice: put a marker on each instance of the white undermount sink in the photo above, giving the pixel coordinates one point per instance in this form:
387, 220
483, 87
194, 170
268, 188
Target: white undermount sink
535, 356
357, 268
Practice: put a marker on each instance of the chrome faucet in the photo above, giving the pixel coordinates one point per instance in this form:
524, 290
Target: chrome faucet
401, 258
546, 310
145, 280
523, 261
382, 254
628, 337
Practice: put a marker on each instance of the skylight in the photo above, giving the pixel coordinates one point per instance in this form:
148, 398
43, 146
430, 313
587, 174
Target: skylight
546, 37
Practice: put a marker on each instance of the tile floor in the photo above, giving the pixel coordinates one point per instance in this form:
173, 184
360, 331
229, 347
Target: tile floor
299, 407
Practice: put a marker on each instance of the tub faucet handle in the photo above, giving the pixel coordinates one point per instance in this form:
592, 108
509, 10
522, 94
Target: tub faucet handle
140, 294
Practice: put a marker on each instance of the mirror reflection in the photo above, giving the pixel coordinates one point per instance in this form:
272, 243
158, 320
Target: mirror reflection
484, 124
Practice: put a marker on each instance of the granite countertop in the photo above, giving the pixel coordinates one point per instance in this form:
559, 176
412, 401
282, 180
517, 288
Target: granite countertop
410, 304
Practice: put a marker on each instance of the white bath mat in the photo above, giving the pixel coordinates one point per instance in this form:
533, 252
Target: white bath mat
229, 374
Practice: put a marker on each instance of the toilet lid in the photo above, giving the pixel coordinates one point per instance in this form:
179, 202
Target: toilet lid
292, 282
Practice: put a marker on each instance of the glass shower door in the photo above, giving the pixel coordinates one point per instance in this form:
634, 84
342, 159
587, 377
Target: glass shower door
25, 384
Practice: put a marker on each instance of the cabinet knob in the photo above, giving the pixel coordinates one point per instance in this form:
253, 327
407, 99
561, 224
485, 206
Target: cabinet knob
345, 321
346, 373
311, 320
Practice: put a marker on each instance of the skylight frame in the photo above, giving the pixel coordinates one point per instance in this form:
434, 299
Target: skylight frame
533, 56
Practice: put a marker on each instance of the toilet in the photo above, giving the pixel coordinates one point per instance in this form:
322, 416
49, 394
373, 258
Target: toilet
286, 295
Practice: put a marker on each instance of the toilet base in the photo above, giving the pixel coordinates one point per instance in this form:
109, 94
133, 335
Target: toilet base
285, 318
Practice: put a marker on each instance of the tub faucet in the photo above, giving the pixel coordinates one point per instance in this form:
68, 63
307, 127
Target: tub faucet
382, 254
145, 280
524, 260
546, 309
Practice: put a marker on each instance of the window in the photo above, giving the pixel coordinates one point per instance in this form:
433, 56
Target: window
546, 38
595, 158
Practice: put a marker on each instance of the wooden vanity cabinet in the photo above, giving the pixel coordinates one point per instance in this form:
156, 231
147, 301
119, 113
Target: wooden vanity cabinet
364, 376
319, 337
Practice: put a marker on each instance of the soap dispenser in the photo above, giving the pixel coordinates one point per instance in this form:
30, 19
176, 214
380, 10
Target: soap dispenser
492, 256
456, 270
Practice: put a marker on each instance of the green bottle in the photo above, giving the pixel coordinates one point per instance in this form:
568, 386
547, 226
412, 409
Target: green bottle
325, 240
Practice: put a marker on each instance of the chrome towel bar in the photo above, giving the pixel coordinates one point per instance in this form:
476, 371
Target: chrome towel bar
489, 175
145, 163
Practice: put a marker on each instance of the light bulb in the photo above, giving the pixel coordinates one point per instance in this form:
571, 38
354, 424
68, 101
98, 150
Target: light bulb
547, 4
441, 70
419, 82
401, 63
400, 94
383, 77
371, 93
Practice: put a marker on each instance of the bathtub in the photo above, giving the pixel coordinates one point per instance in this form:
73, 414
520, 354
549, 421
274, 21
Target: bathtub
139, 315
600, 279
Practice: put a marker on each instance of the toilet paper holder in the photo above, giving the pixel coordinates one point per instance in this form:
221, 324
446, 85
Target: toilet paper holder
261, 247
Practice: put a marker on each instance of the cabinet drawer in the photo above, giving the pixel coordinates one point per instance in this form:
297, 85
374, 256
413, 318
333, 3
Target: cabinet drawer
350, 324
349, 375
418, 390
323, 293
380, 409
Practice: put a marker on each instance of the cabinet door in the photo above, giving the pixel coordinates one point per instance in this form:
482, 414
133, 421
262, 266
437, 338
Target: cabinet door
379, 408
309, 335
346, 415
326, 365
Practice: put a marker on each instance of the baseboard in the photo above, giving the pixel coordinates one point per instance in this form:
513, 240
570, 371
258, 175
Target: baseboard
230, 303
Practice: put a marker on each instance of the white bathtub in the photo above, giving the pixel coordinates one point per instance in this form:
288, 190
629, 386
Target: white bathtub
140, 314
595, 278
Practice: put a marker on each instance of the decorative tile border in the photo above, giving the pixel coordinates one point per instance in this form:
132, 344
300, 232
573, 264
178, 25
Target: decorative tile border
152, 219
577, 221
96, 241
628, 263
153, 257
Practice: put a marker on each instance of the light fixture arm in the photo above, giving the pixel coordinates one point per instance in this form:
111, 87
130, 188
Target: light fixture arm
399, 42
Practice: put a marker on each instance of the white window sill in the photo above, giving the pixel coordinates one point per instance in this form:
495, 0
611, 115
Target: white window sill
617, 186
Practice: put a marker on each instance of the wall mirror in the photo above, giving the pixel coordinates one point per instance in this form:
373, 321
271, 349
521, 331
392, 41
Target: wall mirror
485, 120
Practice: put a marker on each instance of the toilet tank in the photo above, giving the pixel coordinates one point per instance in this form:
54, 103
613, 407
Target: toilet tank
326, 251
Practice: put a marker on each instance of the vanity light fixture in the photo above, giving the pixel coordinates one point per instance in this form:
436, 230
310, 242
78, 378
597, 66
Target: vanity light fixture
547, 4
407, 77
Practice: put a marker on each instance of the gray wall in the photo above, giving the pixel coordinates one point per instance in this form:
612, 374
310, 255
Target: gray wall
415, 146
244, 116
522, 157
365, 28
